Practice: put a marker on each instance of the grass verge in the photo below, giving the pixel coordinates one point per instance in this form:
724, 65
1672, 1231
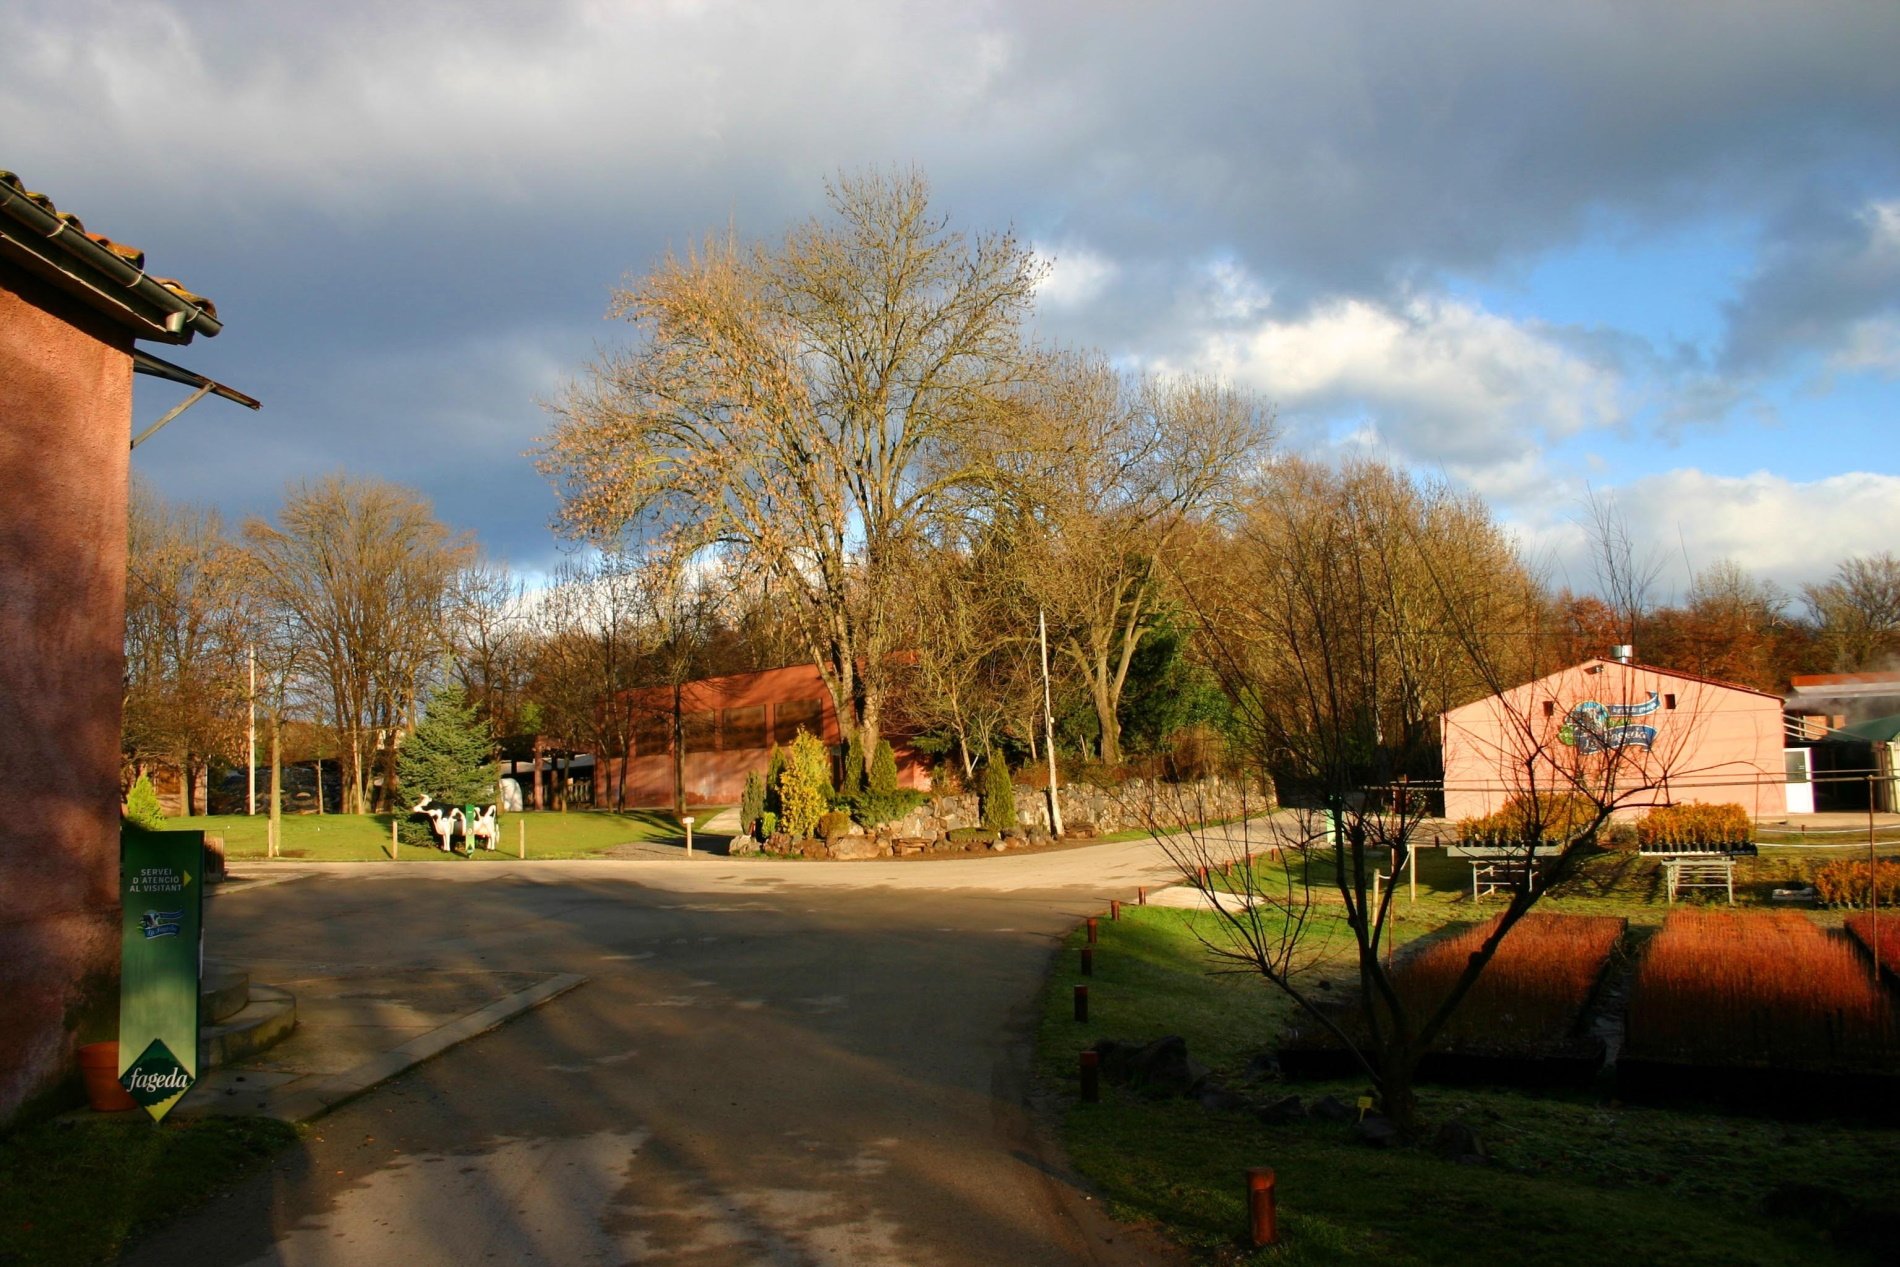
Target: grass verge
1574, 1178
76, 1190
365, 837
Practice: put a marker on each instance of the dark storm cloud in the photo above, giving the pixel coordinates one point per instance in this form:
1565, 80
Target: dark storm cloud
1830, 283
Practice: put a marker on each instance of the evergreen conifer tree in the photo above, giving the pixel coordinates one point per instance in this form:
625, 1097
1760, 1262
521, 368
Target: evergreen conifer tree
999, 795
141, 805
447, 758
884, 771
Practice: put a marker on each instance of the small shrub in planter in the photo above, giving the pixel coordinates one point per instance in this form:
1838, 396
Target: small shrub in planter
1554, 818
1696, 825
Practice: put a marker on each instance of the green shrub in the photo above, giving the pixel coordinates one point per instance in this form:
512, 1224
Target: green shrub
883, 770
1844, 883
768, 824
999, 796
833, 825
964, 835
1553, 817
751, 801
412, 831
141, 805
853, 767
804, 786
774, 770
1694, 823
874, 809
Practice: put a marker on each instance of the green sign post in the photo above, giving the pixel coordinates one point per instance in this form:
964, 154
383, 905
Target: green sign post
161, 885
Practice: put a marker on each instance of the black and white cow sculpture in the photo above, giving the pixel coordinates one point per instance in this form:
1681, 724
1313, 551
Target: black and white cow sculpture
483, 829
446, 821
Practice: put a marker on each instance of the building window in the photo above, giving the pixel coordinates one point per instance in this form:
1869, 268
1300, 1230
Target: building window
793, 715
1669, 701
652, 733
1550, 708
701, 731
743, 727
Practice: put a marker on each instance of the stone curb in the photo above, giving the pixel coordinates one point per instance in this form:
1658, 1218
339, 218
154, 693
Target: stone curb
299, 1102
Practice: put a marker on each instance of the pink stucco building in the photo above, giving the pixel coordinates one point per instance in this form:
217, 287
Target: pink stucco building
72, 304
1662, 736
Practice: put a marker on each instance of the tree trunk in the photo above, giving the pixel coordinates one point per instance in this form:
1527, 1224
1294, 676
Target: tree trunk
679, 748
1111, 744
276, 785
540, 750
561, 764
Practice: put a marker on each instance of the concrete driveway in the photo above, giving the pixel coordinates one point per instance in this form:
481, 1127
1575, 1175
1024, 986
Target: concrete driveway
782, 1063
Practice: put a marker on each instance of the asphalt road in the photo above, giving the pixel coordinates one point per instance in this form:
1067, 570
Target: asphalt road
773, 1063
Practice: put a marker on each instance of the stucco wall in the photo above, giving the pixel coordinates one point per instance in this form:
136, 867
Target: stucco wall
65, 413
1711, 742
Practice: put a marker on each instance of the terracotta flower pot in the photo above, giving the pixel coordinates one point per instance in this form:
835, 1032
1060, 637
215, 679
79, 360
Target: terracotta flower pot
99, 1062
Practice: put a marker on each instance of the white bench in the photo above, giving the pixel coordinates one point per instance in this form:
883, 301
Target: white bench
1700, 873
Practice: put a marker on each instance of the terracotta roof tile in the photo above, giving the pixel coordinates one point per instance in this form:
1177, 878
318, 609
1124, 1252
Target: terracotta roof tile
130, 254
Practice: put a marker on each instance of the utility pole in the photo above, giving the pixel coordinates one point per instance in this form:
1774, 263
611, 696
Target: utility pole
251, 748
1049, 727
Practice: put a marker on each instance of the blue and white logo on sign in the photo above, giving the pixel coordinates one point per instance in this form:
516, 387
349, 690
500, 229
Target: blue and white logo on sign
160, 923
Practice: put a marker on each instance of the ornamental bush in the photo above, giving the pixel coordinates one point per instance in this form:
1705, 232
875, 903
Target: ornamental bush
752, 802
1844, 883
834, 824
999, 796
141, 805
1694, 824
774, 770
804, 787
883, 770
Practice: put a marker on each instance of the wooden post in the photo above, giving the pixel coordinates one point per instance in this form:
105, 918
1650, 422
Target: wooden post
394, 844
1873, 884
522, 835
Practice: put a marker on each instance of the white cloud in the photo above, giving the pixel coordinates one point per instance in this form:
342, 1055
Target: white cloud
1077, 277
1787, 531
1440, 381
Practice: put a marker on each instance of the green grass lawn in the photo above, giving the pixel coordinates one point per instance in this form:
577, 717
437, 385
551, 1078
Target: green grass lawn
73, 1191
1576, 1178
365, 837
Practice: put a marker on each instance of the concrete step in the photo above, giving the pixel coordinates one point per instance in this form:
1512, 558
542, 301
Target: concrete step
222, 993
268, 1017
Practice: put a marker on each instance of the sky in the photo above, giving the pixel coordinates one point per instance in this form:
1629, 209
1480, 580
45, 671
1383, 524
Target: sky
1643, 254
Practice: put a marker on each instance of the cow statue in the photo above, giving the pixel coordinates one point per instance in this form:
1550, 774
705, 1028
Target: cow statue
482, 826
445, 821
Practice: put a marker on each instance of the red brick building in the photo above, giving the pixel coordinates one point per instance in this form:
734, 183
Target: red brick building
729, 725
72, 305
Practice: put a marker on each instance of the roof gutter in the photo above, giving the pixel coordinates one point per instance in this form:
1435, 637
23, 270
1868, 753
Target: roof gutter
177, 316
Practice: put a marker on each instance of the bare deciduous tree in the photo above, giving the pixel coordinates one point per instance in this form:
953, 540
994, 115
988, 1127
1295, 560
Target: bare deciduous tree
804, 406
1857, 613
1118, 468
356, 572
187, 622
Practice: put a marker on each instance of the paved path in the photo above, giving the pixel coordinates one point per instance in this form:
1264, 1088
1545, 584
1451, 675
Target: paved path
774, 1063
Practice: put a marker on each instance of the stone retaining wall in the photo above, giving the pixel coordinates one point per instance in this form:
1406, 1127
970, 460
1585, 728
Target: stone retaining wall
951, 824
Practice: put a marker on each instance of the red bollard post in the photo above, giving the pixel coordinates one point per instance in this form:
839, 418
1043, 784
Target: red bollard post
1200, 876
1091, 930
1260, 1213
1081, 1003
1088, 961
1114, 908
1090, 1067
